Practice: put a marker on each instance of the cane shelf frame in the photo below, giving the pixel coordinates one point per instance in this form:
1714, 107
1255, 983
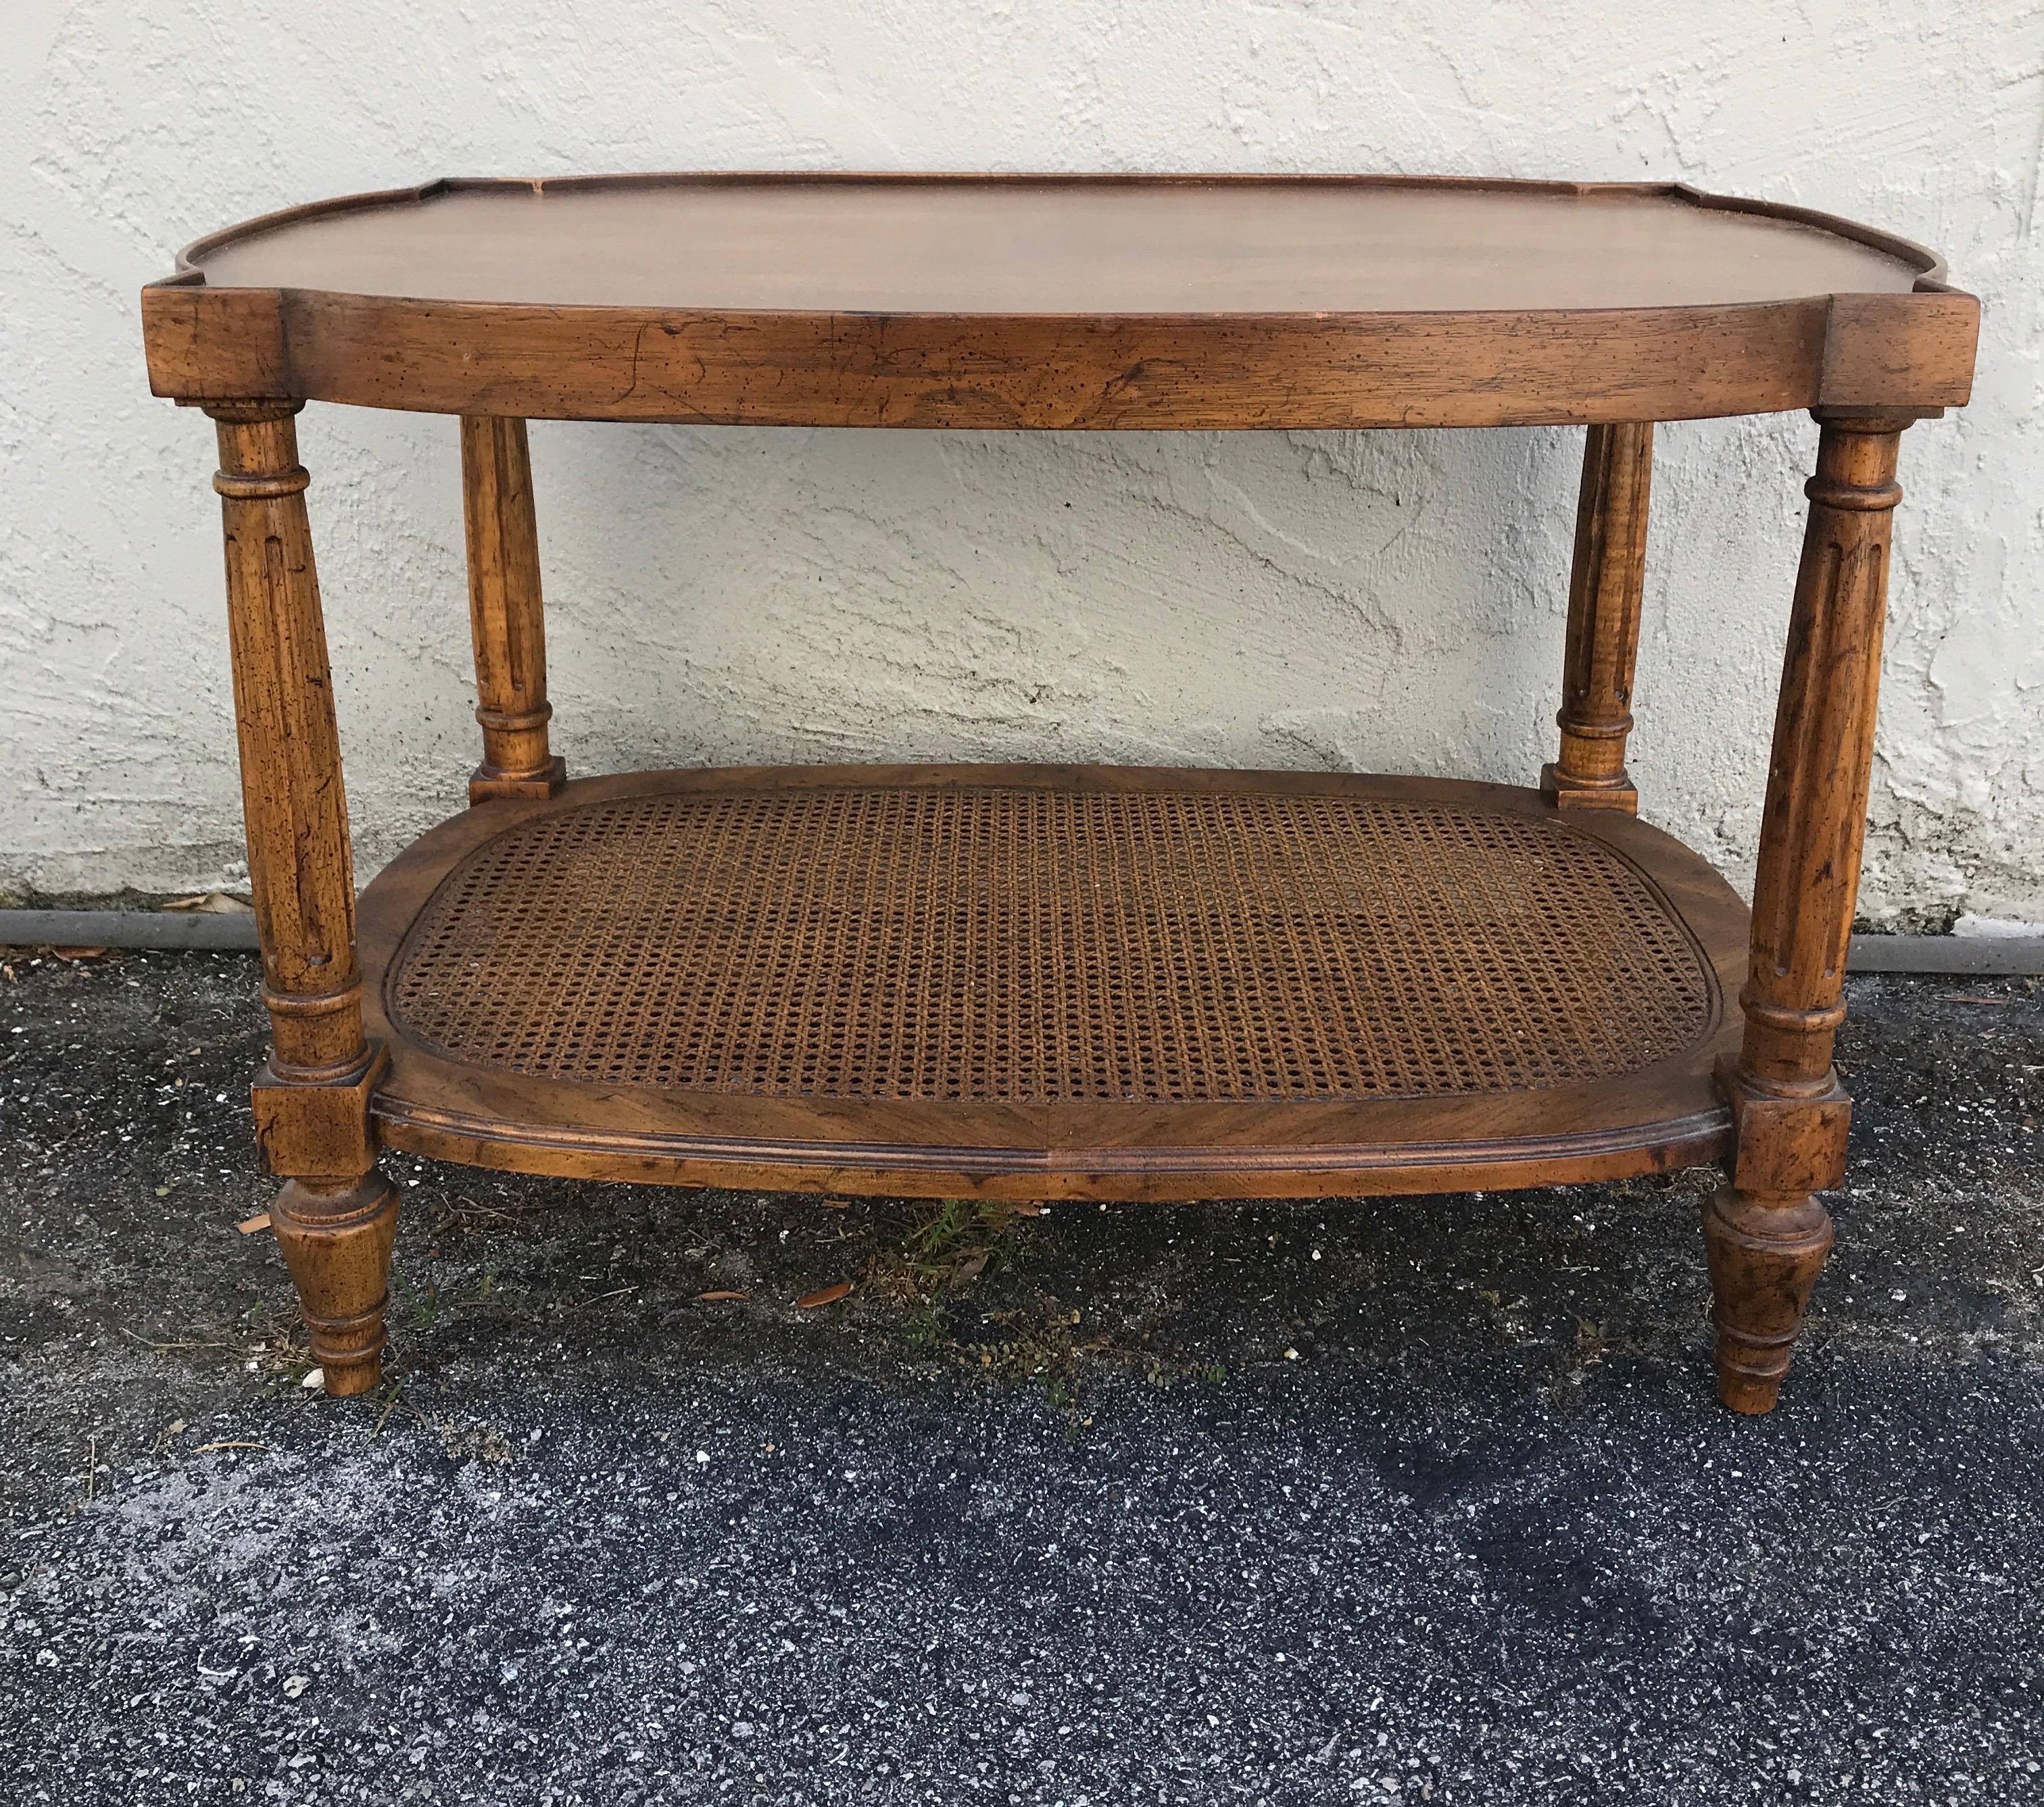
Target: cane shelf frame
1052, 982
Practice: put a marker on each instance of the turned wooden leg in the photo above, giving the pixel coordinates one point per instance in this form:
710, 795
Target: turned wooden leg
1766, 1236
505, 614
335, 1216
336, 1241
1604, 589
1765, 1254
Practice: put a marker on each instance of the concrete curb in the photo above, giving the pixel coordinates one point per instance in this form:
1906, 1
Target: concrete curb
1975, 954
187, 929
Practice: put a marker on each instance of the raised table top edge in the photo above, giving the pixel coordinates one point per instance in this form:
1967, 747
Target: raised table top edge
1911, 349
1930, 267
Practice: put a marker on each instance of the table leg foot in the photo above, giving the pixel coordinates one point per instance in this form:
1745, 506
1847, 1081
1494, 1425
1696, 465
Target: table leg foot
1765, 1254
336, 1240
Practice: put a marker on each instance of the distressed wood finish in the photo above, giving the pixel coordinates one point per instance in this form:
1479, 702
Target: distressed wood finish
506, 618
1099, 302
1768, 1237
335, 1215
1604, 591
1174, 302
1666, 1116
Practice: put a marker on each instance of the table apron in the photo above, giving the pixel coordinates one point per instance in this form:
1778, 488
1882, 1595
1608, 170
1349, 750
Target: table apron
989, 372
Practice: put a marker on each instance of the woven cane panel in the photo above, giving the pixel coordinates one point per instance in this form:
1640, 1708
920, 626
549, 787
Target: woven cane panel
1036, 946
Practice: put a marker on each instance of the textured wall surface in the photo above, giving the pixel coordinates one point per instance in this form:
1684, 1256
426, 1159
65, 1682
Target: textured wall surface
1390, 602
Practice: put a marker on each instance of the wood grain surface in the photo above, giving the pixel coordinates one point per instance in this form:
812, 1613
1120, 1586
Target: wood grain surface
1087, 302
1061, 302
1606, 586
1767, 1236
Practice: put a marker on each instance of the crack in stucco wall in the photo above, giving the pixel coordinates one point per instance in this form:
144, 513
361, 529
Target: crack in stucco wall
1391, 601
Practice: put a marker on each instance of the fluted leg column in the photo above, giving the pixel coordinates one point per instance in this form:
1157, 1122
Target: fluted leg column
1604, 590
505, 613
336, 1215
1767, 1237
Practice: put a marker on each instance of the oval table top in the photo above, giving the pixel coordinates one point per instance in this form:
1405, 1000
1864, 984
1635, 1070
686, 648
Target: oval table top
1061, 301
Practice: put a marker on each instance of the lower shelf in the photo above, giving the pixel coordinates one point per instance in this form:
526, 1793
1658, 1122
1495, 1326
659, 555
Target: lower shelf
1052, 982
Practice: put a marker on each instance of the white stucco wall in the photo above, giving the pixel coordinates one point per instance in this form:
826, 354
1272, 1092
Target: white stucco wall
1390, 602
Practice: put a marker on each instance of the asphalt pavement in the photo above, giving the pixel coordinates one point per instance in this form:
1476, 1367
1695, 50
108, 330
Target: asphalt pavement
1374, 1501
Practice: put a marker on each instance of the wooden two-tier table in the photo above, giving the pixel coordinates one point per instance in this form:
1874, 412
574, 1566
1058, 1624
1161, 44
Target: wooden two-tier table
1037, 981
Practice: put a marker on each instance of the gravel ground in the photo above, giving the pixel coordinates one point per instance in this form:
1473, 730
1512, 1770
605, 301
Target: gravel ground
1422, 1500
